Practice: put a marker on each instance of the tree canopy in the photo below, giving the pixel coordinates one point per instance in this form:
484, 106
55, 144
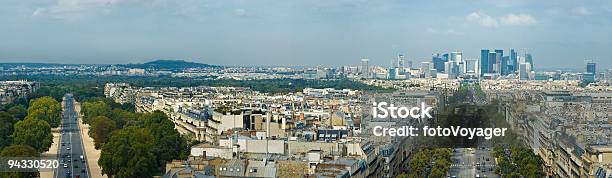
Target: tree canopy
19, 151
129, 153
6, 129
101, 129
33, 132
46, 109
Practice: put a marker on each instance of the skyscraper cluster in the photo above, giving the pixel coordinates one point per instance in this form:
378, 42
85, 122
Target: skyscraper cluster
493, 63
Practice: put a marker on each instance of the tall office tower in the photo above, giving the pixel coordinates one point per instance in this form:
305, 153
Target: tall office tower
514, 60
590, 66
392, 73
492, 63
438, 62
461, 67
529, 59
524, 71
448, 67
456, 57
505, 67
365, 68
400, 61
499, 54
484, 61
591, 70
471, 65
426, 69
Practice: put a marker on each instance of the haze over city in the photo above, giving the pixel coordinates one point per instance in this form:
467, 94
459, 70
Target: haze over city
557, 33
305, 88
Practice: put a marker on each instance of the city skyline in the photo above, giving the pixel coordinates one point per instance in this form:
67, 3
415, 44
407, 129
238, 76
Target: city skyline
558, 34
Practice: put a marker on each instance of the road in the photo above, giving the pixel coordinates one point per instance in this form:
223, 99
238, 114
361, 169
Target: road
474, 162
469, 162
71, 144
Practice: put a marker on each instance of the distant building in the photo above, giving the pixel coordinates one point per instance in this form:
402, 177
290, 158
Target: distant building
524, 71
484, 61
529, 59
392, 74
451, 69
456, 57
505, 70
136, 71
471, 65
426, 69
590, 70
591, 67
492, 62
365, 68
13, 90
400, 60
438, 62
513, 61
499, 54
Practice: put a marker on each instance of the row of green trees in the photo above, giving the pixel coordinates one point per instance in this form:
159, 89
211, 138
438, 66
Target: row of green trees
27, 132
132, 144
429, 163
81, 86
517, 161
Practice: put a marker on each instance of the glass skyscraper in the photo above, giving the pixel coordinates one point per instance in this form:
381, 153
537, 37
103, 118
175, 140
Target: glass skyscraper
529, 59
438, 62
484, 61
499, 53
514, 60
591, 67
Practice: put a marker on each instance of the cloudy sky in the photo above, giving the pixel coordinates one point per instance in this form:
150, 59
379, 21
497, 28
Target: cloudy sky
309, 32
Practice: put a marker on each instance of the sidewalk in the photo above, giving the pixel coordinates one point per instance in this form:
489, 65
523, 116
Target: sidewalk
52, 152
91, 153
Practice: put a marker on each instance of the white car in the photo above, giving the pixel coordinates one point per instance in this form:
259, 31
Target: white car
65, 165
68, 148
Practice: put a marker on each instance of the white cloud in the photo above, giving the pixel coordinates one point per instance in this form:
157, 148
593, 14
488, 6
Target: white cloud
482, 19
581, 11
74, 9
447, 32
518, 19
38, 11
240, 12
508, 20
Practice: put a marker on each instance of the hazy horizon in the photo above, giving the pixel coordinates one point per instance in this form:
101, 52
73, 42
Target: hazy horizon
559, 34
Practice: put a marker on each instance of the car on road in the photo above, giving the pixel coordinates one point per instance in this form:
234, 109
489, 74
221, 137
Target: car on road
67, 148
65, 165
